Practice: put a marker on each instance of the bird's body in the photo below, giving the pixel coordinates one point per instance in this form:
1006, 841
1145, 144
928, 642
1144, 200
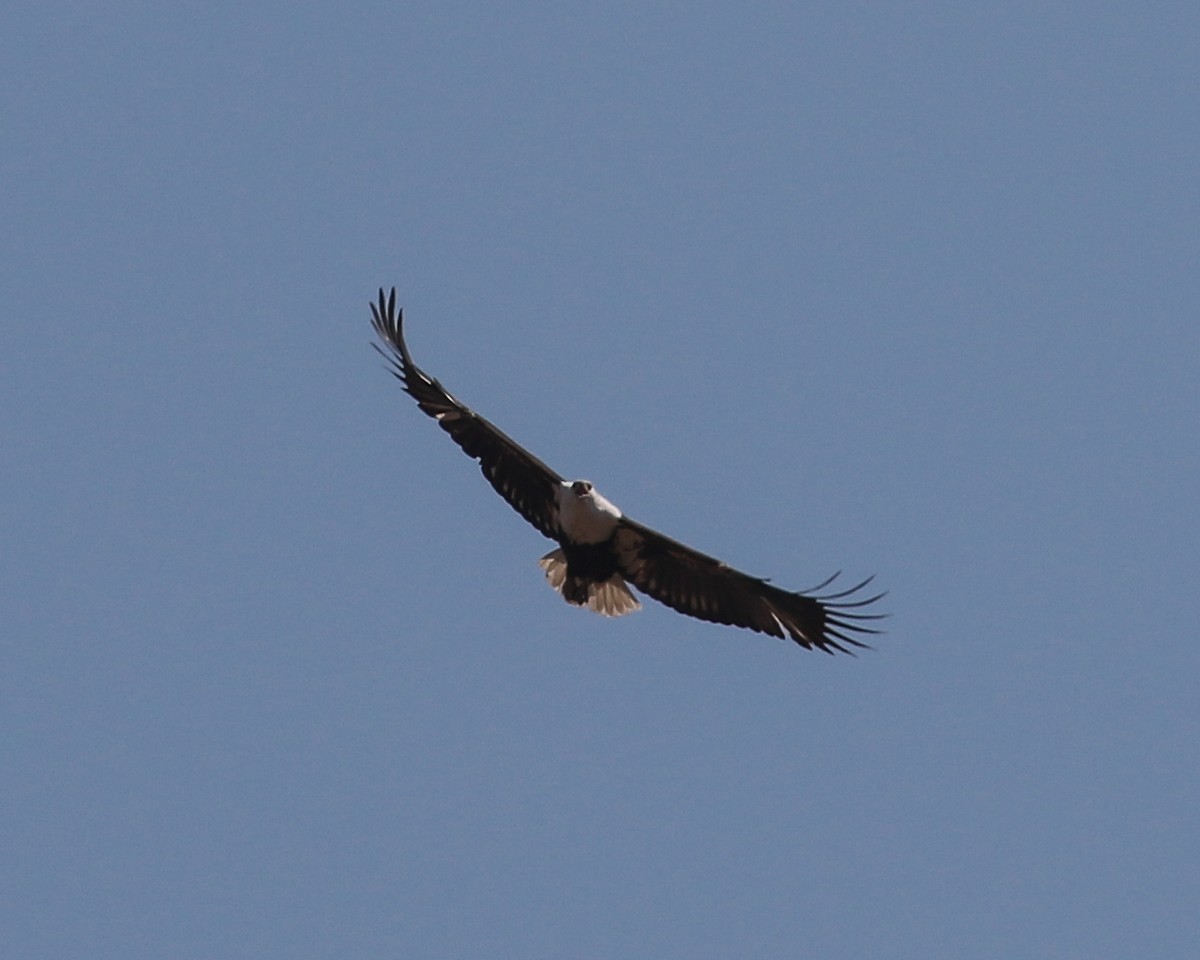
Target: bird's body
585, 568
601, 552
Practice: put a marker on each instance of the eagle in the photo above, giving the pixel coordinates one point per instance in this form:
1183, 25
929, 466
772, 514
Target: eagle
601, 552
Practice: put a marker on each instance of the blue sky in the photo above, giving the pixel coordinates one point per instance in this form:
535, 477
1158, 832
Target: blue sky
903, 289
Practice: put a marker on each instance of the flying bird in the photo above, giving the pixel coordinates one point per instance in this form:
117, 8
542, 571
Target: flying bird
601, 552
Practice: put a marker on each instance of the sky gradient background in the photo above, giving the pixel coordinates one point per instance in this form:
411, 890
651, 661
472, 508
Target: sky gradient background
904, 289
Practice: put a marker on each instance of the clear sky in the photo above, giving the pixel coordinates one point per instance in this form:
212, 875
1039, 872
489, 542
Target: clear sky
903, 289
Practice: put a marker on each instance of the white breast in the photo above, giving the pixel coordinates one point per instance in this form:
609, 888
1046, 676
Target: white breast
585, 518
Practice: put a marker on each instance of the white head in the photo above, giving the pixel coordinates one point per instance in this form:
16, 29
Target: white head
585, 516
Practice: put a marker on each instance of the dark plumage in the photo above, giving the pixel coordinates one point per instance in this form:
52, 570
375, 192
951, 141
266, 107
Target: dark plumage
601, 550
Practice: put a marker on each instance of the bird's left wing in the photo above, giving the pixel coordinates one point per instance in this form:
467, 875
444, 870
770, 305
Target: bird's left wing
702, 586
516, 474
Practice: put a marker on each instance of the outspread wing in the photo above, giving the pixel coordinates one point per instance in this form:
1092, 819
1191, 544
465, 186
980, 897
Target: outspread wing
704, 587
516, 474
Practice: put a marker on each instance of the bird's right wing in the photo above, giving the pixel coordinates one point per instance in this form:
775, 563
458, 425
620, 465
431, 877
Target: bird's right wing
517, 475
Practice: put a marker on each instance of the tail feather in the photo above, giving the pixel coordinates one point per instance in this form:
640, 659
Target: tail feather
610, 598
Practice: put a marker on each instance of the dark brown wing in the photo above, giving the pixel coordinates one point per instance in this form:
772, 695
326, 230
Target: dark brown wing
516, 474
704, 587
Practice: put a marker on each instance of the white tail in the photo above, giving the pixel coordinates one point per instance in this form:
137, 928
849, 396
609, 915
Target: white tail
612, 598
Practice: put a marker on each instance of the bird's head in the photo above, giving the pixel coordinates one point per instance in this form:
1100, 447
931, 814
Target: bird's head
581, 488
